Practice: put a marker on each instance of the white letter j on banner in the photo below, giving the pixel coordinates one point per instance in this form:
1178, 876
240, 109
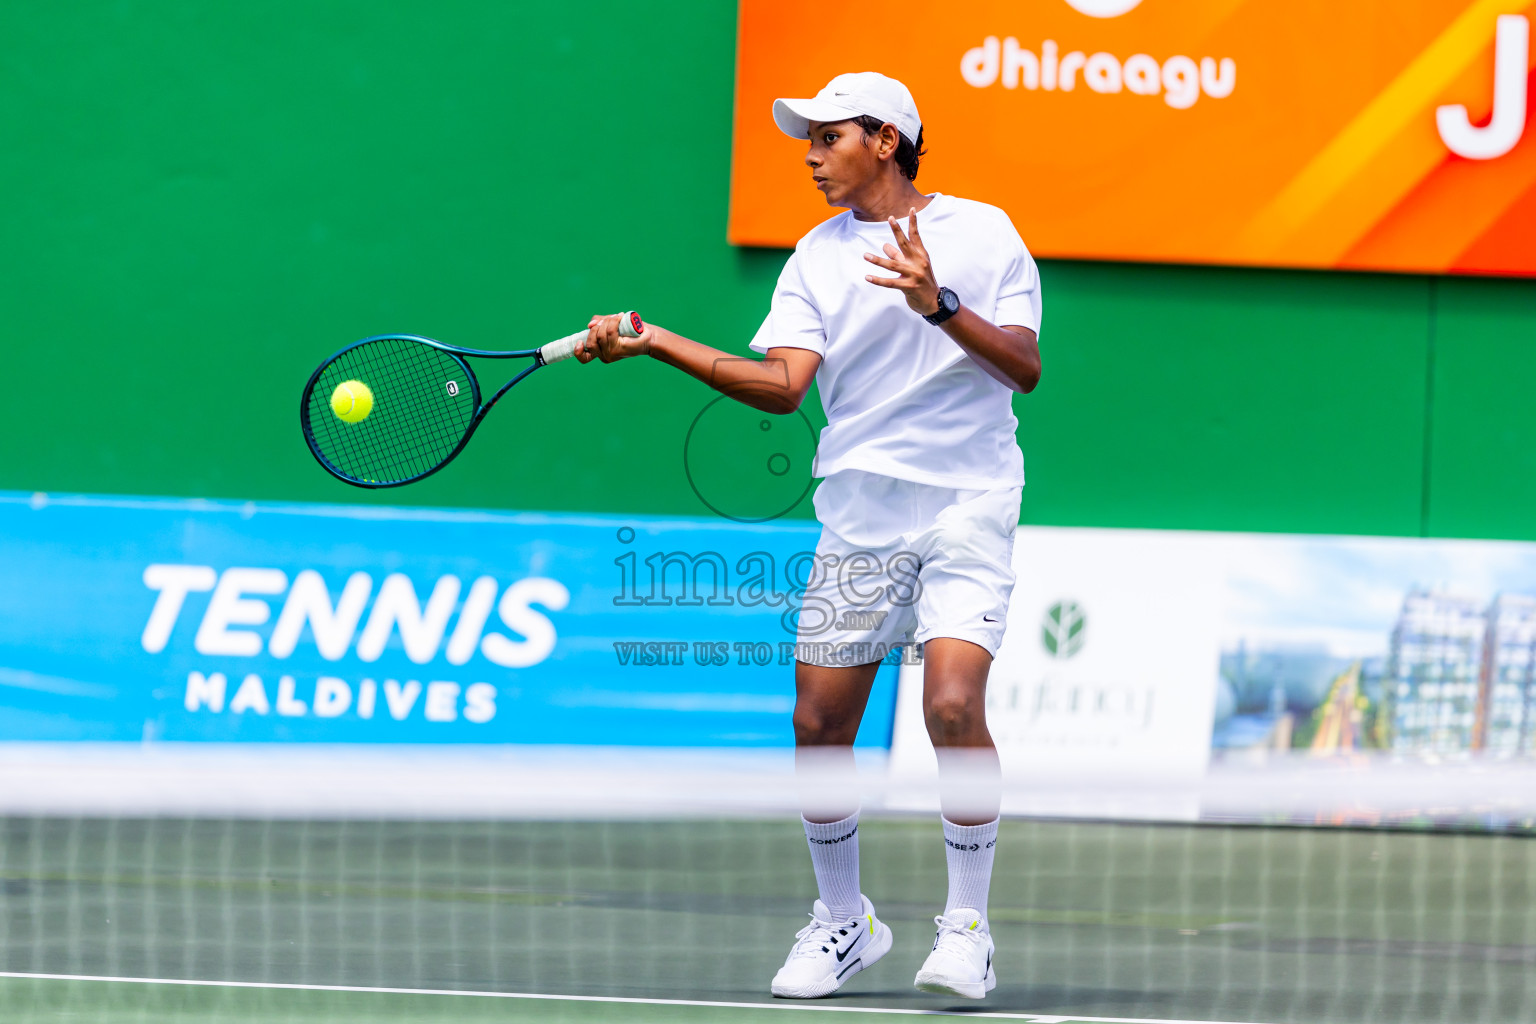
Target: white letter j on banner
1511, 50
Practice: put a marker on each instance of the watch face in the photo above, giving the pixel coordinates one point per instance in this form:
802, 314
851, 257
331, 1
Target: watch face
948, 300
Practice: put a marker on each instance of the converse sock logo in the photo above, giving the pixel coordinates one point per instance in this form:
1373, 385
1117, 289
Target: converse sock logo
839, 839
972, 848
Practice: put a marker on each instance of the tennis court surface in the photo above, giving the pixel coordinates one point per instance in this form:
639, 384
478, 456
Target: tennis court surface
687, 920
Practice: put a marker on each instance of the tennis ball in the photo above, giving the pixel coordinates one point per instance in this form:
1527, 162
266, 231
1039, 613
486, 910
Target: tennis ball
352, 401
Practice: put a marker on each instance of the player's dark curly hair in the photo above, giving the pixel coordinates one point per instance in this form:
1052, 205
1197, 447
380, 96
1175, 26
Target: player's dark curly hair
908, 153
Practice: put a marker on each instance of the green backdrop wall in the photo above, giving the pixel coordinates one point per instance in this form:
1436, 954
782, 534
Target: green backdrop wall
204, 199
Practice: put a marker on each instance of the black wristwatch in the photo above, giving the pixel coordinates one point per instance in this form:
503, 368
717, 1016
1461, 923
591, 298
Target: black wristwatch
949, 305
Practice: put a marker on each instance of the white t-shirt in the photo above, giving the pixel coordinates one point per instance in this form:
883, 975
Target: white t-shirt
902, 399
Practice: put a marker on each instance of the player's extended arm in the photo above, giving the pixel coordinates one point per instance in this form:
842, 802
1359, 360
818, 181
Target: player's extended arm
1011, 354
775, 384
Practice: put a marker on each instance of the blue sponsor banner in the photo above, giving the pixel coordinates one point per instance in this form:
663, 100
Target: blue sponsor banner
148, 619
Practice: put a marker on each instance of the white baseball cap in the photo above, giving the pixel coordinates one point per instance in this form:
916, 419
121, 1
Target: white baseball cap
852, 95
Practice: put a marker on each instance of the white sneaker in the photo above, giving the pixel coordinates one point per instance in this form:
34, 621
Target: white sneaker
961, 961
827, 953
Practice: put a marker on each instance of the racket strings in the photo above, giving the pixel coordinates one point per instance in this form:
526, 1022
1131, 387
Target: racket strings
419, 453
426, 441
417, 420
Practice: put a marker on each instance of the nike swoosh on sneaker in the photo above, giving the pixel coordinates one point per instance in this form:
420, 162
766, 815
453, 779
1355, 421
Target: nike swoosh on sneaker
842, 954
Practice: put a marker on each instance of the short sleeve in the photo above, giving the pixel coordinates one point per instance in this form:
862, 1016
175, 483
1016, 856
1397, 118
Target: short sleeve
793, 320
1018, 299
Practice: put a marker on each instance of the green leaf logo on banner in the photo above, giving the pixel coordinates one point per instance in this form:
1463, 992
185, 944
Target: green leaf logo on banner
1063, 629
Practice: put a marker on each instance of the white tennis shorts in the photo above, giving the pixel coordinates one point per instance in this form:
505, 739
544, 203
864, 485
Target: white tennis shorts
948, 573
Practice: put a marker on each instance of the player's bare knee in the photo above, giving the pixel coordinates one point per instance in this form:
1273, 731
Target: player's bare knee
951, 714
809, 724
819, 726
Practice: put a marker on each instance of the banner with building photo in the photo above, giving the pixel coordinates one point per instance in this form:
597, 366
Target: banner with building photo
1403, 646
1351, 680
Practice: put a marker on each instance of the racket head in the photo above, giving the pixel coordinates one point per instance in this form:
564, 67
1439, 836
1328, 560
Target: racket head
426, 402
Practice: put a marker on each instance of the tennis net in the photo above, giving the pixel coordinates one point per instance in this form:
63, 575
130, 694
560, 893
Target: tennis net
1145, 921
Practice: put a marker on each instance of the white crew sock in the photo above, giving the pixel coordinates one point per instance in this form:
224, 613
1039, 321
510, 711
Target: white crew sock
835, 856
969, 849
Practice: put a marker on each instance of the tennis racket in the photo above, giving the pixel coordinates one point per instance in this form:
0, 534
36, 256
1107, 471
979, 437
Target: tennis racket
396, 408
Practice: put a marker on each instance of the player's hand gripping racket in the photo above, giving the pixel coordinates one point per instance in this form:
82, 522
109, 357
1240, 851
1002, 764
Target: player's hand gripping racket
395, 408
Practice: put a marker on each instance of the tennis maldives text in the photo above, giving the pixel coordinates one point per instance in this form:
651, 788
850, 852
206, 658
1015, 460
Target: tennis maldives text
237, 604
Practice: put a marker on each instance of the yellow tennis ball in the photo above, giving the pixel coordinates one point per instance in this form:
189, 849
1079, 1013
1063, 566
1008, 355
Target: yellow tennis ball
352, 401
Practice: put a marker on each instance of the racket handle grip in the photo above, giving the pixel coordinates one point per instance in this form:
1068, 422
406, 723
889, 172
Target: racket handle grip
630, 326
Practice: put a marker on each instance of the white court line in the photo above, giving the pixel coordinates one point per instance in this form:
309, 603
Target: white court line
1032, 1018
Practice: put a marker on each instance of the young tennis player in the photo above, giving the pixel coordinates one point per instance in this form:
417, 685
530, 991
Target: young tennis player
917, 339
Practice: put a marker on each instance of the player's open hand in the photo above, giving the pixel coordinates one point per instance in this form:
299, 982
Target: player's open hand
604, 341
910, 260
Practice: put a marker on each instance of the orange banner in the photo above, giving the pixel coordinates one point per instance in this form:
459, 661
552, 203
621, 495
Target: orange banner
1367, 135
